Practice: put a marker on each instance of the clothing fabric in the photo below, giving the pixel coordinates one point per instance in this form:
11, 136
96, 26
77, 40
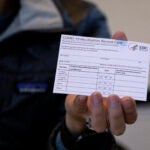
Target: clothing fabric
35, 15
29, 111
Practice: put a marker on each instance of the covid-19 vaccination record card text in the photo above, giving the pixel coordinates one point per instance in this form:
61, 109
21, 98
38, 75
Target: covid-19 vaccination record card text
86, 65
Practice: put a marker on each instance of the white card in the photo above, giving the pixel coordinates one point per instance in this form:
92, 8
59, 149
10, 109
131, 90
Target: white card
86, 65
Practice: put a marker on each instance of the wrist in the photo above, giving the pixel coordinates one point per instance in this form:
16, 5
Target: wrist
86, 139
70, 135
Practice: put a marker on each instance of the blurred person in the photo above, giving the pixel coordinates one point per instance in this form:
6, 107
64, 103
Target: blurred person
31, 116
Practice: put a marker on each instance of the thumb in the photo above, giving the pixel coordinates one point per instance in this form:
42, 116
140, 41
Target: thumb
119, 35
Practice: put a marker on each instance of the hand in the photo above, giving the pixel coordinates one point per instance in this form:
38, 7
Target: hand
113, 113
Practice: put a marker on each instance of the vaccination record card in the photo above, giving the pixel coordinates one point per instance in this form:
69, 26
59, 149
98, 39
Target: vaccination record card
86, 65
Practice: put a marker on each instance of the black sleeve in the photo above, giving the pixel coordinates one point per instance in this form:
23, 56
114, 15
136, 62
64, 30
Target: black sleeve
88, 139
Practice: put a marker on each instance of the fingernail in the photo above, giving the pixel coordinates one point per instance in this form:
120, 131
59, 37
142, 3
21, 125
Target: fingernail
96, 99
113, 103
127, 104
81, 99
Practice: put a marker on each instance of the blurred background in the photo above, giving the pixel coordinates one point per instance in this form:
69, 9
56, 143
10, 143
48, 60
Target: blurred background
133, 17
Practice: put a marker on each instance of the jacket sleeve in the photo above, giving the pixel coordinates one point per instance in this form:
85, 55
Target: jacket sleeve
95, 23
99, 24
61, 139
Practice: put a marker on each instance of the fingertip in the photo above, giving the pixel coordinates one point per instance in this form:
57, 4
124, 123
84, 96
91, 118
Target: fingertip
97, 94
113, 101
119, 35
119, 131
81, 97
113, 96
96, 100
128, 102
80, 100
